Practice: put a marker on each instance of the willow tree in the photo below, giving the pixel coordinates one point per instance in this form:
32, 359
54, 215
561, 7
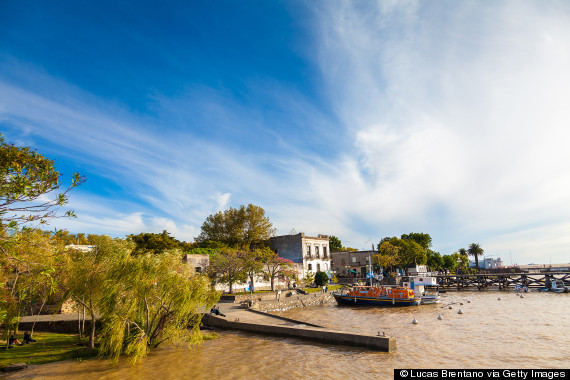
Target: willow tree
87, 275
150, 300
28, 259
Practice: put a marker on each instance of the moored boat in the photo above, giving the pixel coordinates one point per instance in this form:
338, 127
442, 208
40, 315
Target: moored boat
556, 286
366, 295
424, 287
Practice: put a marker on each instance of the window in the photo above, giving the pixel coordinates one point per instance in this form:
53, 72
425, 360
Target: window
198, 269
310, 266
343, 262
354, 259
317, 252
324, 251
308, 250
318, 267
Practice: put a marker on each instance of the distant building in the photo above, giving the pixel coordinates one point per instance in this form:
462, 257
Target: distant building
311, 254
80, 247
488, 263
198, 262
355, 263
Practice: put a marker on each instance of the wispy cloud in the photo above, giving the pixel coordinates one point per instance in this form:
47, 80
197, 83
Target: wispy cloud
446, 118
458, 116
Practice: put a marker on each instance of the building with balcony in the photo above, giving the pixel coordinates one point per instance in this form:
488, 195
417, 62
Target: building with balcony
351, 263
311, 254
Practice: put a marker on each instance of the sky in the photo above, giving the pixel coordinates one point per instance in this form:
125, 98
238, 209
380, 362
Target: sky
359, 119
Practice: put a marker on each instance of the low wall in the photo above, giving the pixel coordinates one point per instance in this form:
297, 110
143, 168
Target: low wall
298, 300
380, 343
60, 326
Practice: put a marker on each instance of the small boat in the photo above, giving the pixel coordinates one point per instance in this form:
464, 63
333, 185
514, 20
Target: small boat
369, 295
425, 287
556, 286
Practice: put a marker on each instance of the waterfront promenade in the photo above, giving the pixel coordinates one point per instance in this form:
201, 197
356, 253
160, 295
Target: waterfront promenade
253, 321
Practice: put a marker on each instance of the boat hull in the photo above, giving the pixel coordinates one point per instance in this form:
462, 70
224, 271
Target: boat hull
373, 301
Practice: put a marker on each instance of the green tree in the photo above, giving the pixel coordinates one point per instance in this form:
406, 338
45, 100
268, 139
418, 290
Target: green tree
450, 261
27, 179
87, 274
227, 266
388, 256
409, 253
278, 267
148, 242
246, 227
335, 244
321, 278
309, 278
475, 250
254, 261
463, 259
150, 300
28, 260
424, 240
434, 260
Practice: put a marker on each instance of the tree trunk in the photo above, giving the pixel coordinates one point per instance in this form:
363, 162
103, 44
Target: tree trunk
91, 343
36, 318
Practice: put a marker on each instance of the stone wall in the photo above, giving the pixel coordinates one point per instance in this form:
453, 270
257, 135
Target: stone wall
289, 302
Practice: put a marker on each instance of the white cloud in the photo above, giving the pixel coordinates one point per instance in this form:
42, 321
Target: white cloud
457, 110
455, 124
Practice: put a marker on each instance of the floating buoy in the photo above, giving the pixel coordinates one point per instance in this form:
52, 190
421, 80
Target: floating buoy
415, 321
460, 311
439, 317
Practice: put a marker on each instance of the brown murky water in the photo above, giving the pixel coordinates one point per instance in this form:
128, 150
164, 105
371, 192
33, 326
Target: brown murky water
514, 332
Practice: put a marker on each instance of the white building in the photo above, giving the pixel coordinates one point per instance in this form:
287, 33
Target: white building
488, 263
312, 254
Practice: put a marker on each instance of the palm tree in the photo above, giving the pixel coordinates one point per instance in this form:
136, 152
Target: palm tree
475, 250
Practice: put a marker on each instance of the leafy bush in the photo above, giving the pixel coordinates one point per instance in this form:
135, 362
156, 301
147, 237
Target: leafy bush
321, 278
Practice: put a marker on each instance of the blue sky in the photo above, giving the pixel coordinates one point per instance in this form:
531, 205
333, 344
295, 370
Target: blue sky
358, 119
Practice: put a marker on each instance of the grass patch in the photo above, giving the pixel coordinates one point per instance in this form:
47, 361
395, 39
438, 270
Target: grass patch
320, 289
50, 347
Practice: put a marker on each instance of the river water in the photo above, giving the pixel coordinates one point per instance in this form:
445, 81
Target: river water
514, 332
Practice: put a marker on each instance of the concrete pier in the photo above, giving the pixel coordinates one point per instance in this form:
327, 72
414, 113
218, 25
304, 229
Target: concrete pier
267, 324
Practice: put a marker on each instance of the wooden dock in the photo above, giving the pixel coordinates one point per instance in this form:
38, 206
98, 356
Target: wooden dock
500, 280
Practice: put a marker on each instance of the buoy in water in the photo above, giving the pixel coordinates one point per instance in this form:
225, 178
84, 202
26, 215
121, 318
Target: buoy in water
460, 311
415, 321
439, 317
